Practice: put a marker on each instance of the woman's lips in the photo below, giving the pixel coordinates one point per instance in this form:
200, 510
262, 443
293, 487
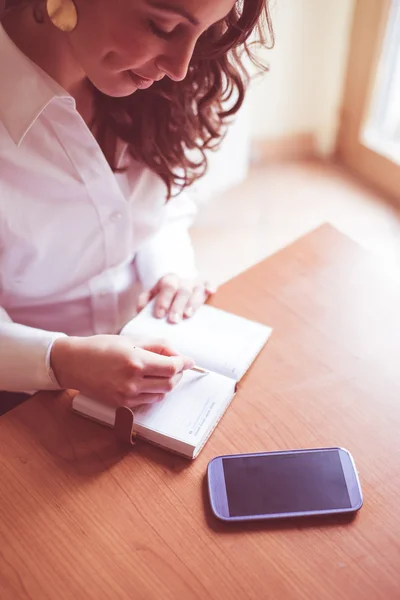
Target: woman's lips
141, 82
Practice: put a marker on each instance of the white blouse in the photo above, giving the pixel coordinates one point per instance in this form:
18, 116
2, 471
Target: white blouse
76, 240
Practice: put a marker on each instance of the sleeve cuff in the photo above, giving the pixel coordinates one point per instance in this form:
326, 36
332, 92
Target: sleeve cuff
50, 372
25, 358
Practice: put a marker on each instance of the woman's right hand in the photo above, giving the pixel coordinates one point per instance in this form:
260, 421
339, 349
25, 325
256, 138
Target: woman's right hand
112, 369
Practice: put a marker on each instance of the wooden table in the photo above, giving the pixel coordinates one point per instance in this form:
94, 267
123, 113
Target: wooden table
81, 518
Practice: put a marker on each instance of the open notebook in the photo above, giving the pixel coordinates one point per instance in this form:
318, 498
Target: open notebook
218, 341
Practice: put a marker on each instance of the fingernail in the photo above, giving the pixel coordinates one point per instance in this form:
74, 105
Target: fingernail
188, 363
160, 314
211, 289
175, 318
189, 312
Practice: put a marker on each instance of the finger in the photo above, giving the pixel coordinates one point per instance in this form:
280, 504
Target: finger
157, 385
144, 299
144, 399
160, 347
166, 294
157, 365
178, 306
197, 299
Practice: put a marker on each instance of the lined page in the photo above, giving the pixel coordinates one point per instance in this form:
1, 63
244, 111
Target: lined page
187, 413
215, 339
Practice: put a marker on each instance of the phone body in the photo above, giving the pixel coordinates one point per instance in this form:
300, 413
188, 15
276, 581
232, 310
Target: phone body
278, 485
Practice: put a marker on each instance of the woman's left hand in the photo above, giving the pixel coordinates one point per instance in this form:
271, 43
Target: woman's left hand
176, 298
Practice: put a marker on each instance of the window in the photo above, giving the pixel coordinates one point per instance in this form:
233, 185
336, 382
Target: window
369, 133
382, 132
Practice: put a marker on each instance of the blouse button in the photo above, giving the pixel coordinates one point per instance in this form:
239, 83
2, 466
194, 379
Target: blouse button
115, 217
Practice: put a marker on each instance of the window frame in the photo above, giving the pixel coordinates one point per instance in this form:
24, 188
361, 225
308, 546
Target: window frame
366, 45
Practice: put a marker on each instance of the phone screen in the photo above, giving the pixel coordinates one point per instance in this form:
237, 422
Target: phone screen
285, 483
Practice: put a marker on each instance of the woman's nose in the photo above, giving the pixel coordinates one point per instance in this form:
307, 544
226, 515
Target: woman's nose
175, 63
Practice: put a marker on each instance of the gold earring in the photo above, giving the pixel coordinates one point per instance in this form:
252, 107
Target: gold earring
63, 14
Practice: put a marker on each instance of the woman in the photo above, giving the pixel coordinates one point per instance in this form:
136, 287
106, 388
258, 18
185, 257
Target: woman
106, 111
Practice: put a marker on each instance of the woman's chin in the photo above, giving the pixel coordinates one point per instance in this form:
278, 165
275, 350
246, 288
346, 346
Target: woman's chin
120, 88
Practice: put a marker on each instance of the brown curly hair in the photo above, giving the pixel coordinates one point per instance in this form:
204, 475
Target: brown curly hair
171, 126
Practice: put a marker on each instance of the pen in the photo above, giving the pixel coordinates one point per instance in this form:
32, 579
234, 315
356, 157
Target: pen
200, 370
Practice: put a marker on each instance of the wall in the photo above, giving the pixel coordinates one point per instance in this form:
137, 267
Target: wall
302, 93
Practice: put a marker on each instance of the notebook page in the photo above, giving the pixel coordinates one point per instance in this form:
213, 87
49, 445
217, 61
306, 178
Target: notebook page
190, 411
215, 339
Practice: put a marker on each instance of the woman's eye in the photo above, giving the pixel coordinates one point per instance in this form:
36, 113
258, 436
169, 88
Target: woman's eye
162, 33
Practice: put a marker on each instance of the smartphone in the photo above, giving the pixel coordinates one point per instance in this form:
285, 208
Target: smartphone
277, 485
